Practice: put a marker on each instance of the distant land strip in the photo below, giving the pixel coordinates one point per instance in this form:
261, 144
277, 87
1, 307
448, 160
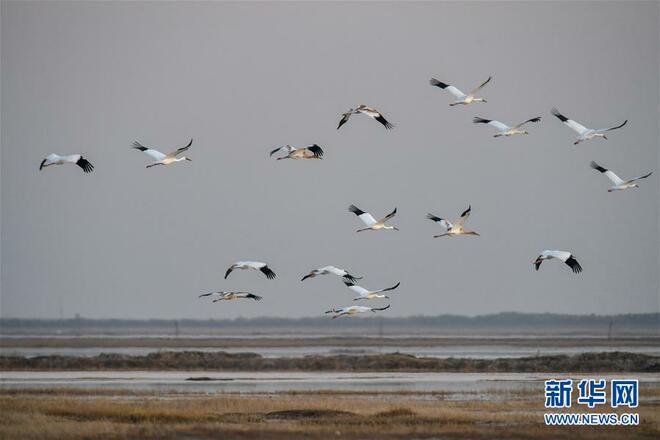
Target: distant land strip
329, 341
615, 362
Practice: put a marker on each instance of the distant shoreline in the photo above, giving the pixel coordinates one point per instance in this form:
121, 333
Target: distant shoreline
222, 361
322, 341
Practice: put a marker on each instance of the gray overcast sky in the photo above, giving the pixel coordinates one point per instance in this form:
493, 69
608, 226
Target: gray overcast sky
242, 78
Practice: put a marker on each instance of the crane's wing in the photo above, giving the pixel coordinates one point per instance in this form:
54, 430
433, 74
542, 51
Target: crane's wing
268, 272
497, 124
85, 165
389, 288
355, 288
366, 218
208, 294
154, 154
639, 178
388, 216
464, 216
610, 174
451, 89
316, 151
441, 221
573, 264
380, 118
480, 86
536, 119
287, 148
178, 151
344, 119
561, 255
613, 128
581, 129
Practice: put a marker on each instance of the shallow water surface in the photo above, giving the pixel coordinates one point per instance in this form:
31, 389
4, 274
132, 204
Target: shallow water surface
255, 382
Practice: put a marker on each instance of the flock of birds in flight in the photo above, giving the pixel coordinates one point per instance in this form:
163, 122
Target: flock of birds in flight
370, 223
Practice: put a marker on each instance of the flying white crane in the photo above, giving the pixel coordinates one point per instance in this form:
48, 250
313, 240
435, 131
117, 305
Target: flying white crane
231, 295
163, 159
368, 294
453, 229
619, 184
331, 270
254, 265
584, 133
369, 111
308, 152
503, 129
461, 97
370, 221
354, 310
56, 159
564, 256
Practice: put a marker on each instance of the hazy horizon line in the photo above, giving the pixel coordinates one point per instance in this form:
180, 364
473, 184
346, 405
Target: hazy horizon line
279, 318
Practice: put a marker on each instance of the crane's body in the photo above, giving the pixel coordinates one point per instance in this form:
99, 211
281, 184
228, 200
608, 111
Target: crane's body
161, 158
453, 229
461, 98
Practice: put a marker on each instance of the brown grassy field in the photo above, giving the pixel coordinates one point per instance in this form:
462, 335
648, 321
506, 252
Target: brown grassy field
221, 361
106, 414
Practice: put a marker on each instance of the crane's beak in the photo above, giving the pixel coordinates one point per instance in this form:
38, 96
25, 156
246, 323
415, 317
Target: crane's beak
188, 159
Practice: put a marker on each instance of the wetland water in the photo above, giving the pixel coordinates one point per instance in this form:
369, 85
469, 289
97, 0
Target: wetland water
239, 382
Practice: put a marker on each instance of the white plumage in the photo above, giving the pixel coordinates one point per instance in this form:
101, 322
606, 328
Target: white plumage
254, 265
354, 310
503, 129
619, 184
231, 295
160, 158
368, 294
327, 270
564, 256
56, 159
453, 229
369, 111
370, 222
584, 133
461, 98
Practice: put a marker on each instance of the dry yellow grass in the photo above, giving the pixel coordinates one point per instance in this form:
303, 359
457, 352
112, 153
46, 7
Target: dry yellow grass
51, 414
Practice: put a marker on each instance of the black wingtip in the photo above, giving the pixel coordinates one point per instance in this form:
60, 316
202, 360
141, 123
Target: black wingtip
556, 113
316, 150
479, 120
86, 166
597, 167
573, 264
139, 146
268, 272
351, 278
436, 83
355, 210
